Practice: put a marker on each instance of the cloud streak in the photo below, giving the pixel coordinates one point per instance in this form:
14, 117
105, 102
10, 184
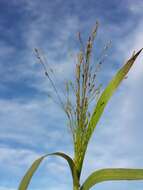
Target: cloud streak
31, 124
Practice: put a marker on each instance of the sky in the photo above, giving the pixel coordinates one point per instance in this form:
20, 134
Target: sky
31, 124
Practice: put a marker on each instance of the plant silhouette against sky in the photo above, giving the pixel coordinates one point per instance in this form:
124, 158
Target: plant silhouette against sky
82, 120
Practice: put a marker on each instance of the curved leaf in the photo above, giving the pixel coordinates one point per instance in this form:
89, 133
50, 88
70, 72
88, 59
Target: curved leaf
110, 175
107, 93
28, 176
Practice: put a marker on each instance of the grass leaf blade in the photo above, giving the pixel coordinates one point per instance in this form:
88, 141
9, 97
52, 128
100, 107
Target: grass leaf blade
112, 175
29, 174
27, 177
108, 92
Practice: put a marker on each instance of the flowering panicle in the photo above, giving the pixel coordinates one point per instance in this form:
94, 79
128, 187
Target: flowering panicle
84, 89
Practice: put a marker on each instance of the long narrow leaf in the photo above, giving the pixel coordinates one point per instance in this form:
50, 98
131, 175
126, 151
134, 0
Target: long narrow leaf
110, 175
108, 92
28, 176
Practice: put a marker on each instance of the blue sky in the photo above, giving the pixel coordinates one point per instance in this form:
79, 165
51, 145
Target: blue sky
31, 124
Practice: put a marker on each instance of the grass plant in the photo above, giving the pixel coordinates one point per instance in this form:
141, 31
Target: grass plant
82, 120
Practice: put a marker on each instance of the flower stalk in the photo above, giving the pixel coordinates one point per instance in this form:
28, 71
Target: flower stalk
82, 120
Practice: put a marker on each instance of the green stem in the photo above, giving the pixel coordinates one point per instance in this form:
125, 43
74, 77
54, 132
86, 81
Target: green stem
76, 188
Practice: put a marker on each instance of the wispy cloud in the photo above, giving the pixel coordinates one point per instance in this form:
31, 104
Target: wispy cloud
31, 124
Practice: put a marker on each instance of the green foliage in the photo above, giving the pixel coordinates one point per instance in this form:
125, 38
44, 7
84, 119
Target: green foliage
107, 94
27, 178
111, 175
81, 122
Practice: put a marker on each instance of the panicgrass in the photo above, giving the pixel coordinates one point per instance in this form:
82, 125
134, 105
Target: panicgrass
84, 89
82, 120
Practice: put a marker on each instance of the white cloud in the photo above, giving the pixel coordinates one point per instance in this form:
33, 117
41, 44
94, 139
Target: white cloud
16, 158
27, 122
41, 116
135, 7
6, 188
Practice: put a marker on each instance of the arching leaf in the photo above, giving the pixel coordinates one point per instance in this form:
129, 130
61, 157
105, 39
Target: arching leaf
28, 176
